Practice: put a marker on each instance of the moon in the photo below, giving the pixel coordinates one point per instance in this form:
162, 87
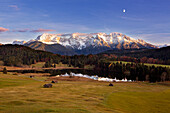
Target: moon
124, 10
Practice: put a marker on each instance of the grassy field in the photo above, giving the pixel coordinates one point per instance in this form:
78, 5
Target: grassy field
156, 65
41, 64
38, 64
21, 94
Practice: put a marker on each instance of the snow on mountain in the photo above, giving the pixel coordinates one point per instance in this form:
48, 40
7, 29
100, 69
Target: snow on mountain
30, 41
83, 40
164, 45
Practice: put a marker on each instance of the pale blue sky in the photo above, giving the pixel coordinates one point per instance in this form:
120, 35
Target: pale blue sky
26, 19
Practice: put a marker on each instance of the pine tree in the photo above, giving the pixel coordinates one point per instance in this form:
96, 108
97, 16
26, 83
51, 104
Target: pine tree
47, 64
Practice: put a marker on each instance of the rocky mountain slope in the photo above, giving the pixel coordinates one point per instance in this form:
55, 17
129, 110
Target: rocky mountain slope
82, 43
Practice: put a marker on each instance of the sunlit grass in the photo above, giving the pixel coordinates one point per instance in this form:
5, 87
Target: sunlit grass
38, 64
156, 65
62, 65
21, 94
41, 64
134, 102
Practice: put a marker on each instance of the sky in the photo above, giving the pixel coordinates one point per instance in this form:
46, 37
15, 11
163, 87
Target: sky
142, 19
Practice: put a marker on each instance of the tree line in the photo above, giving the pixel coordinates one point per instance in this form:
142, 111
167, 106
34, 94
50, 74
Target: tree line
133, 71
18, 55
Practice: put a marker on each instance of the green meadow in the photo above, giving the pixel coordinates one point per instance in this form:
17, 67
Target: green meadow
21, 94
156, 65
38, 64
41, 64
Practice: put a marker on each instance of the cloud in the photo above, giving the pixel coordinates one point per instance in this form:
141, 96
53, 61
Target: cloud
42, 30
3, 29
78, 34
9, 37
155, 35
131, 18
28, 30
155, 38
36, 30
14, 7
21, 30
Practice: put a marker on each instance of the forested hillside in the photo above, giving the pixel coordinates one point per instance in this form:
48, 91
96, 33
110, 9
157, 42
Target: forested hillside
162, 53
18, 55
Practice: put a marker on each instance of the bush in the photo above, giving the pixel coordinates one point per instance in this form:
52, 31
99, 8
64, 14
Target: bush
4, 70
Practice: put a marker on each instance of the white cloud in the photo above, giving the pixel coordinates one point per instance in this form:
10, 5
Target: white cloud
14, 7
155, 38
131, 18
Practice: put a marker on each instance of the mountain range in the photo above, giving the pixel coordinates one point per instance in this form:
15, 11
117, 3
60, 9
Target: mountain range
83, 43
162, 45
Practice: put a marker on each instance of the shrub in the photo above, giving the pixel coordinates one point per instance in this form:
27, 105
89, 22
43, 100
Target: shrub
4, 70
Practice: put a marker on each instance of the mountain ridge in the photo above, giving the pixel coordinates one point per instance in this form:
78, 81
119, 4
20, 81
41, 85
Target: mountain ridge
53, 48
83, 43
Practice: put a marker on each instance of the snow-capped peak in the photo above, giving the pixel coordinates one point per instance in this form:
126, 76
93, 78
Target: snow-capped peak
83, 40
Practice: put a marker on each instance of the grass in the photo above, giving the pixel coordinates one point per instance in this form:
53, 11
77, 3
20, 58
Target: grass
41, 64
38, 64
89, 66
9, 80
156, 65
62, 65
19, 94
138, 100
